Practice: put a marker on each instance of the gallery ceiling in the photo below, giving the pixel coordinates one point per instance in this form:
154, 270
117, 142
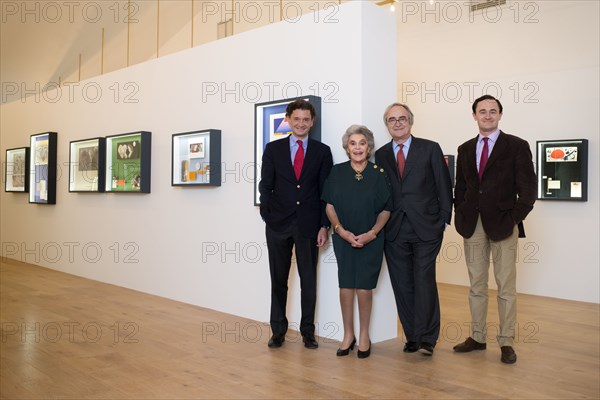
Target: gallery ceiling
37, 43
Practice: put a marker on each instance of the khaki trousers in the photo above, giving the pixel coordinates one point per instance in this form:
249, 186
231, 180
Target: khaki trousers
479, 249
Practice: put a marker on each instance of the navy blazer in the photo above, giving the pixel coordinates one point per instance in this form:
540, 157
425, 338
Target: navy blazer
284, 198
506, 193
424, 194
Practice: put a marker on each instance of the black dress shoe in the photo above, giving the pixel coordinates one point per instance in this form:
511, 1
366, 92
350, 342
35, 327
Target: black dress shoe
276, 341
426, 349
508, 355
410, 347
469, 345
346, 351
309, 341
364, 354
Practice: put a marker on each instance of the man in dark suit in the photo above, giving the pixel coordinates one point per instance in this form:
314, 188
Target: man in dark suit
422, 192
495, 190
293, 174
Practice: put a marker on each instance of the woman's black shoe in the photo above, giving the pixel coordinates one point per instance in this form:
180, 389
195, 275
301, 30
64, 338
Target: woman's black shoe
345, 352
364, 354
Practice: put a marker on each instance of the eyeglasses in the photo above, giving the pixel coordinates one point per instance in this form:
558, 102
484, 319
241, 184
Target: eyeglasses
394, 121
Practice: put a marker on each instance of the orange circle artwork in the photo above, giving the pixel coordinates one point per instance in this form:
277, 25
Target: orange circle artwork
557, 154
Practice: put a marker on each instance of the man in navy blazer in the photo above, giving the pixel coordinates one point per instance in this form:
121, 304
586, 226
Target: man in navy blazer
495, 190
422, 193
293, 174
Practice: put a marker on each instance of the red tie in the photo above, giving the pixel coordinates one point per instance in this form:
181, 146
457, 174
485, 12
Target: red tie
299, 159
401, 161
484, 157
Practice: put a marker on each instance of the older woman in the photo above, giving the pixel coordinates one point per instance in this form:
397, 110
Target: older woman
359, 202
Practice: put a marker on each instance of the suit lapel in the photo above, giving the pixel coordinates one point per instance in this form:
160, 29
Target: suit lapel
413, 154
499, 148
283, 150
391, 160
471, 156
309, 156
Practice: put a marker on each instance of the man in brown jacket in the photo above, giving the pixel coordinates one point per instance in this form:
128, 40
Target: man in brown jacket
495, 190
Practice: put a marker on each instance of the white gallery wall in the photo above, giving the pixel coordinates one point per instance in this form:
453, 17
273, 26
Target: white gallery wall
542, 60
203, 246
206, 246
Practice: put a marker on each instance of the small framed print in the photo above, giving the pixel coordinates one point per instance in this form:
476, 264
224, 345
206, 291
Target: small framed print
196, 158
270, 123
86, 165
127, 163
16, 170
42, 168
562, 169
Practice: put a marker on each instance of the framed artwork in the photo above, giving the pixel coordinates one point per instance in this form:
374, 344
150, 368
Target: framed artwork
271, 124
16, 170
127, 162
196, 158
86, 165
562, 169
450, 163
42, 168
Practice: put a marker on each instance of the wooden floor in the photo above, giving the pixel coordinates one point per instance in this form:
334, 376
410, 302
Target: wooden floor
65, 337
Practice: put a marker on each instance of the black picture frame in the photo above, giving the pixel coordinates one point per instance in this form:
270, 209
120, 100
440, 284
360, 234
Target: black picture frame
269, 125
87, 165
562, 169
42, 168
128, 162
196, 158
16, 170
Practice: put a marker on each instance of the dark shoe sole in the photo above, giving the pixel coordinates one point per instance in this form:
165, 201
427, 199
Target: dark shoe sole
410, 348
275, 344
509, 357
310, 343
426, 352
460, 348
364, 354
346, 351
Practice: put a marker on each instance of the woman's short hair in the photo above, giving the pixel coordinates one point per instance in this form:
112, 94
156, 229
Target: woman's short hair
361, 130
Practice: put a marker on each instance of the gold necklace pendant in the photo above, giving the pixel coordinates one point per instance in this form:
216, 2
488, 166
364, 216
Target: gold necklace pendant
358, 175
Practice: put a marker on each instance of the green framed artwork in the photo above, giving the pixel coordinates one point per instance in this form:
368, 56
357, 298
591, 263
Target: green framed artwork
128, 162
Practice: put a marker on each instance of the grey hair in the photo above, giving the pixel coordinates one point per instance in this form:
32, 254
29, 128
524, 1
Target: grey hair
361, 130
411, 117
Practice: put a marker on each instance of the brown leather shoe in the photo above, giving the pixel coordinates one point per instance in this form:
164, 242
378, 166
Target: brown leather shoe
508, 355
469, 345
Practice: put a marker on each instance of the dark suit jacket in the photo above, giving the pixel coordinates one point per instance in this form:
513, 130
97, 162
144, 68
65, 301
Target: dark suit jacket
283, 197
505, 194
424, 194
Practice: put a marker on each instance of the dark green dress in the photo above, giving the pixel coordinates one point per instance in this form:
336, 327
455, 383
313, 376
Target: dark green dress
357, 205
